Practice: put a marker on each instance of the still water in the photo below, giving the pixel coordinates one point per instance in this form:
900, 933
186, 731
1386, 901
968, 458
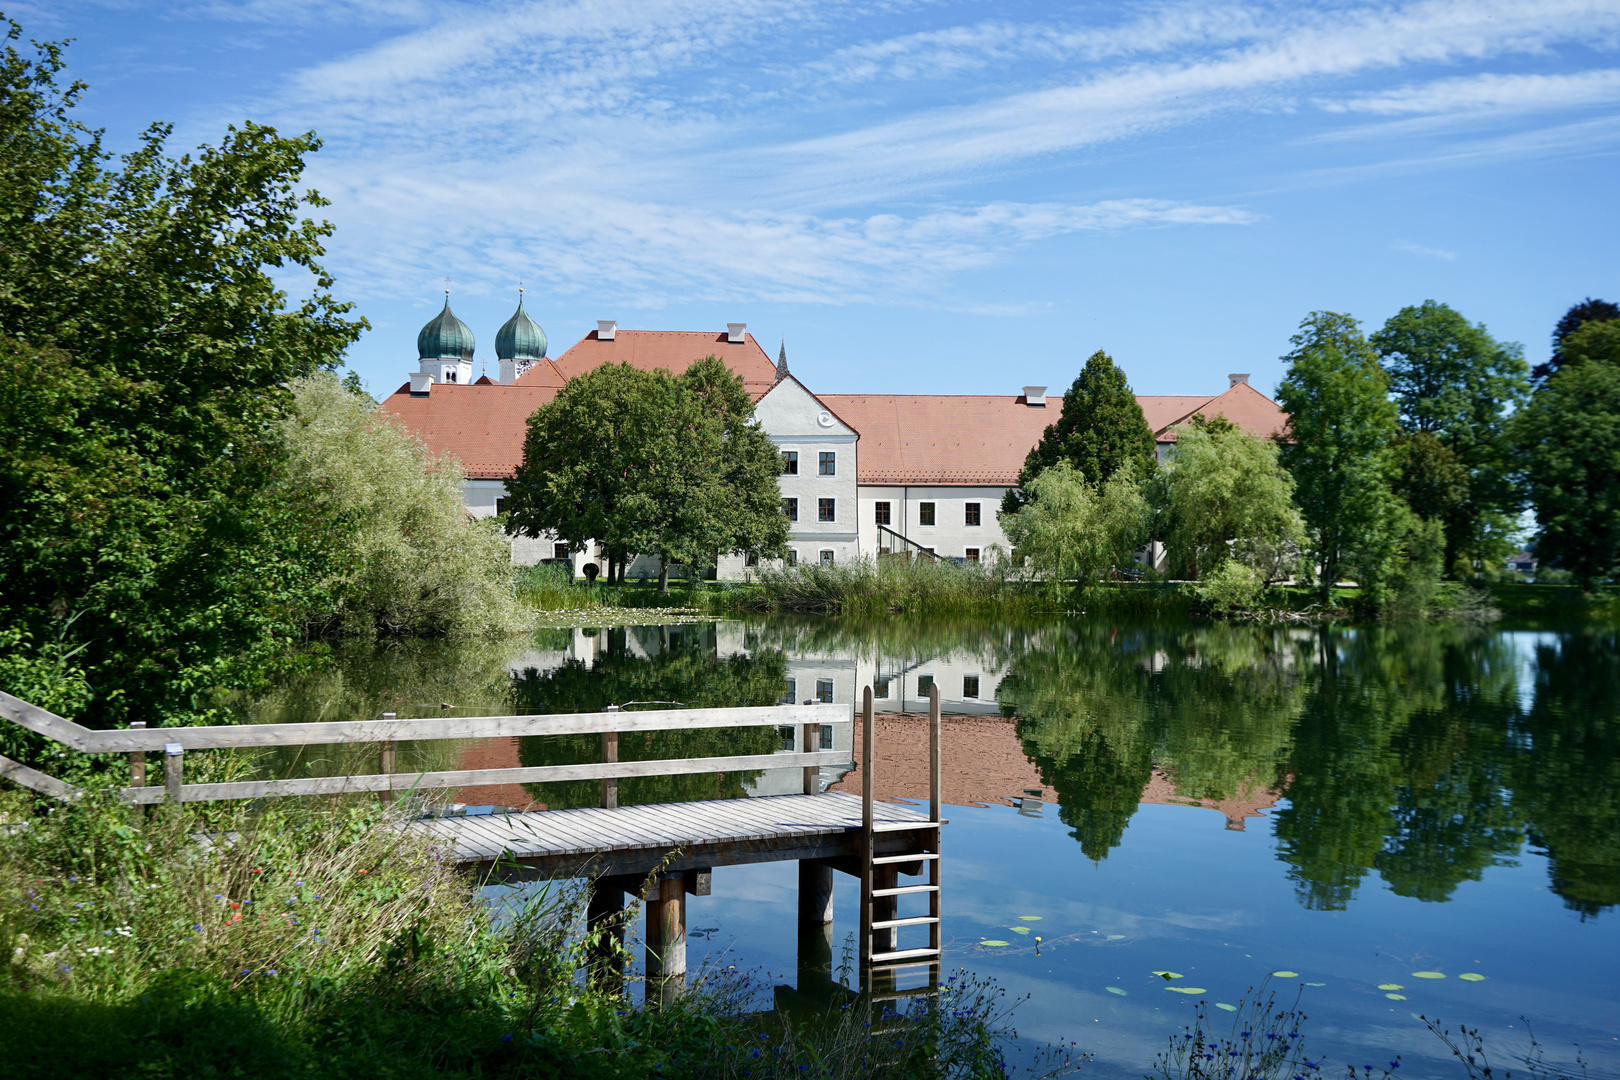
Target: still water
1350, 805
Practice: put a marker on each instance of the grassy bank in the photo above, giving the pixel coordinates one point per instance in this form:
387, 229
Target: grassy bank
318, 940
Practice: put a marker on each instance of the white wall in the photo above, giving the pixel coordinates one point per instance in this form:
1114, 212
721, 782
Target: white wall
796, 421
950, 536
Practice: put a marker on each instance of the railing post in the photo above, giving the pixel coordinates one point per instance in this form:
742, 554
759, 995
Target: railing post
173, 775
868, 778
386, 754
812, 773
610, 752
137, 759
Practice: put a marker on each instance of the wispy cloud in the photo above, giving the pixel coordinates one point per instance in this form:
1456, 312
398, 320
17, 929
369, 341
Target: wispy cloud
1422, 251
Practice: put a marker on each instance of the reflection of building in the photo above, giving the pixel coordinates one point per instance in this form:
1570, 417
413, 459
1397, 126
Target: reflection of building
863, 474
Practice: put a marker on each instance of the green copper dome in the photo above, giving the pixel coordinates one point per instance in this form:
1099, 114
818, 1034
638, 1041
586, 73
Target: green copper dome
521, 338
445, 337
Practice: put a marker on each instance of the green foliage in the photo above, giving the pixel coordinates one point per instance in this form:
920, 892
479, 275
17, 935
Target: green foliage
1233, 586
650, 463
144, 355
1073, 528
896, 585
1100, 430
1452, 380
1428, 478
1226, 497
412, 561
1570, 439
1337, 448
1579, 315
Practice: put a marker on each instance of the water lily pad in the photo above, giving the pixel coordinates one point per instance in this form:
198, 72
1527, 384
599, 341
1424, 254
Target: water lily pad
1396, 997
1286, 974
1471, 976
1030, 918
1316, 984
1019, 929
993, 944
1186, 989
1117, 990
1168, 974
1223, 1006
1115, 937
1428, 975
1391, 986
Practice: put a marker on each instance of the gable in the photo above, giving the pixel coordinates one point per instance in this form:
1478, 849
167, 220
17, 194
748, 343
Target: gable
790, 411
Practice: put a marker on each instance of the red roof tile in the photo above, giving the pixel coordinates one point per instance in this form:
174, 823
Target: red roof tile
672, 349
972, 439
483, 425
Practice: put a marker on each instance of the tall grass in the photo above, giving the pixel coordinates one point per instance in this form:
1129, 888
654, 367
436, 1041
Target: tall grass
320, 939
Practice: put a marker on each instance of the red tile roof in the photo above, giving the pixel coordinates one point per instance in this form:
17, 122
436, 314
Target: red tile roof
672, 349
483, 425
972, 439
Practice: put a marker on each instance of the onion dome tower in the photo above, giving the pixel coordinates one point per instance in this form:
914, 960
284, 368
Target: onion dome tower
444, 351
519, 344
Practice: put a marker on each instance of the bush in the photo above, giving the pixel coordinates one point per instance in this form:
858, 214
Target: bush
1232, 587
413, 562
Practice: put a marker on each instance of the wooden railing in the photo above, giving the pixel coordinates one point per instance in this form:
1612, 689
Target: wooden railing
173, 743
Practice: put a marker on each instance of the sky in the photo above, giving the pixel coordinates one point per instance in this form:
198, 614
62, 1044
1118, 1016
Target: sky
919, 197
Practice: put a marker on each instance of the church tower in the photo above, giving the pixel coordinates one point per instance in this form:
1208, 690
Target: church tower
444, 351
519, 345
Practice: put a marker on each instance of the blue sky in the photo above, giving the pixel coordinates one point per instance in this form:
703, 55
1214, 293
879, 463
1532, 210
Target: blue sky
922, 197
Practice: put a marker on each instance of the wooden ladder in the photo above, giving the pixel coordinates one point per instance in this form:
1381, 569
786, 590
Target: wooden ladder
907, 847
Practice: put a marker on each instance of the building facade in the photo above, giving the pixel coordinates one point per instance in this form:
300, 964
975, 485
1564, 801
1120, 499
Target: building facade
863, 474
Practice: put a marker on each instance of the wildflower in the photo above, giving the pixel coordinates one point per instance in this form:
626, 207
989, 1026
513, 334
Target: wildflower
235, 906
124, 931
73, 918
299, 883
506, 1038
196, 926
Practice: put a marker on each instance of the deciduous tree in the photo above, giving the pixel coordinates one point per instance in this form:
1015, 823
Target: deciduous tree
1588, 310
1337, 448
1072, 528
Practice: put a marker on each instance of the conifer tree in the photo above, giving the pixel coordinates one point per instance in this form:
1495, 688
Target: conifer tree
1100, 429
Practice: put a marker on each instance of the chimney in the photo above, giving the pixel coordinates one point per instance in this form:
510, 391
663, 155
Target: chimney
606, 329
1035, 396
735, 331
421, 382
1237, 380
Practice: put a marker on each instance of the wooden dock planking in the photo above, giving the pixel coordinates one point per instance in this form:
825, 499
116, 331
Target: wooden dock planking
635, 839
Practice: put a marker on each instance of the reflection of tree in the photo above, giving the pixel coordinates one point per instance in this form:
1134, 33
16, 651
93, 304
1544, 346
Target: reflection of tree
1567, 781
678, 665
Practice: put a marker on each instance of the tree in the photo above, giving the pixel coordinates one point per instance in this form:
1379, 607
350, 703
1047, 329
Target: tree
1337, 448
1452, 380
1588, 310
1072, 528
1428, 476
648, 463
1570, 440
1225, 497
146, 353
412, 561
1100, 429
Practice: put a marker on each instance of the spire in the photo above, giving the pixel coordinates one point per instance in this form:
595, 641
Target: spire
781, 362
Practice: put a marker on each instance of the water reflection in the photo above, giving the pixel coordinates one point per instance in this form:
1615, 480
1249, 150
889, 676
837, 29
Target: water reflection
1418, 756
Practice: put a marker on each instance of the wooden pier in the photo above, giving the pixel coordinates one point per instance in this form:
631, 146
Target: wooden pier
662, 852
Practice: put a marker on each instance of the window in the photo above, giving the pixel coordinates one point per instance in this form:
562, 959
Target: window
880, 688
970, 514
972, 554
500, 504
881, 513
829, 463
560, 552
970, 686
925, 513
449, 374
925, 683
790, 509
793, 557
826, 737
826, 510
790, 462
751, 559
826, 557
787, 737
791, 697
824, 691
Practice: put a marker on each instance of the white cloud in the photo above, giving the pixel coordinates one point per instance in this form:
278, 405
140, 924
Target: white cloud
1488, 93
1422, 251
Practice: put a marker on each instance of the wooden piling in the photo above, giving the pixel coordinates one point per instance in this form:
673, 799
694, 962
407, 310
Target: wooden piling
666, 940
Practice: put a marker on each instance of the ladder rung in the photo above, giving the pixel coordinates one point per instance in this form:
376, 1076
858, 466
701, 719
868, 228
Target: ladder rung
921, 856
918, 920
904, 889
902, 826
904, 954
897, 995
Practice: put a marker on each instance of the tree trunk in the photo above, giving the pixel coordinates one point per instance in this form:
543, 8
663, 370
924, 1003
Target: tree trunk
663, 576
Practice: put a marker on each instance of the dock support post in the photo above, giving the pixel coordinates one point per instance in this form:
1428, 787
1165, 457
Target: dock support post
815, 893
812, 773
173, 776
666, 940
604, 917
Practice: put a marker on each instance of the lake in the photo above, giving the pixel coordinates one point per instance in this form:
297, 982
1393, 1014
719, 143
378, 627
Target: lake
1411, 820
